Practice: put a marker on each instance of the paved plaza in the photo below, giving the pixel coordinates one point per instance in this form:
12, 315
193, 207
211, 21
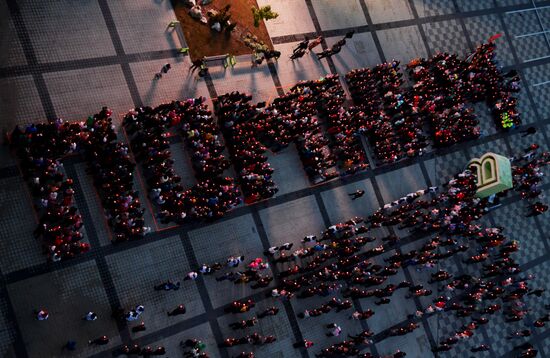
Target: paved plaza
69, 58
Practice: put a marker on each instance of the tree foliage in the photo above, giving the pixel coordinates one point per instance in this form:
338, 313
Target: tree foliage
264, 13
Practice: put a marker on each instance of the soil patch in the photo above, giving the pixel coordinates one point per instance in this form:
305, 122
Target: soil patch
203, 41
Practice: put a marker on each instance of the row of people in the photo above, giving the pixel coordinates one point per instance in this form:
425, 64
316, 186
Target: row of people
41, 149
148, 129
110, 164
236, 115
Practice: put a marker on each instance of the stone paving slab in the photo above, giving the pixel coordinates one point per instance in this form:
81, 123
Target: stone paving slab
135, 274
521, 23
360, 51
277, 326
292, 221
338, 14
434, 7
293, 18
531, 48
539, 281
178, 83
544, 14
485, 117
512, 2
497, 146
468, 5
202, 332
7, 330
538, 79
386, 316
289, 174
12, 52
523, 229
152, 18
67, 294
388, 11
314, 328
446, 36
68, 37
77, 94
398, 183
182, 164
403, 44
415, 344
340, 207
306, 68
237, 236
257, 81
527, 112
97, 212
7, 158
17, 222
19, 102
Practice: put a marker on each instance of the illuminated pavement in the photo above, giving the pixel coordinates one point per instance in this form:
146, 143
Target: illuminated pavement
68, 59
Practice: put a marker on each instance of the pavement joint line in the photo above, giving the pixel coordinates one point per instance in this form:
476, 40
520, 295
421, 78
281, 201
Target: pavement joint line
275, 77
371, 27
79, 64
536, 59
528, 9
210, 86
289, 310
18, 344
532, 34
463, 26
356, 302
30, 56
541, 24
420, 27
546, 138
205, 296
508, 146
101, 262
119, 49
319, 31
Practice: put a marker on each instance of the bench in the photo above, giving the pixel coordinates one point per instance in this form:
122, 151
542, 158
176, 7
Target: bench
226, 59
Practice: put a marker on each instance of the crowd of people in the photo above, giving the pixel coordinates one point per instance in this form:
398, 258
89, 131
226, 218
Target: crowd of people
345, 259
40, 149
236, 113
112, 168
294, 117
291, 118
389, 117
394, 119
351, 260
344, 143
149, 128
